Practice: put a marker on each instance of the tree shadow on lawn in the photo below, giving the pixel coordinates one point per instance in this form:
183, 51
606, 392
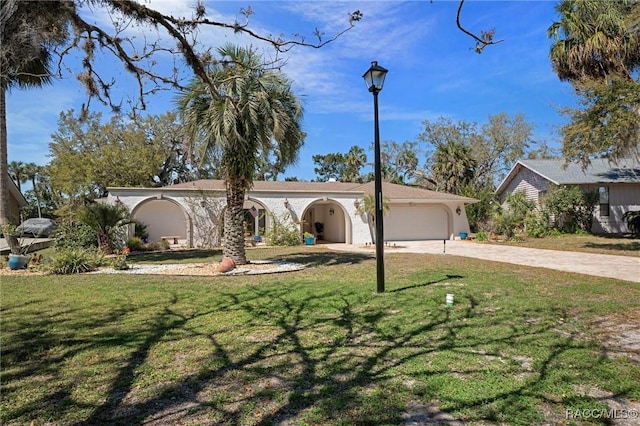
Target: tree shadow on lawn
307, 258
330, 258
409, 287
630, 246
327, 357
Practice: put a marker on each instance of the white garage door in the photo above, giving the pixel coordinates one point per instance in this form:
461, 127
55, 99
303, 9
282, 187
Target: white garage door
416, 223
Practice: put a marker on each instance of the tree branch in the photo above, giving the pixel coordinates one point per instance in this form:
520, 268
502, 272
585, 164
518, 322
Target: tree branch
486, 37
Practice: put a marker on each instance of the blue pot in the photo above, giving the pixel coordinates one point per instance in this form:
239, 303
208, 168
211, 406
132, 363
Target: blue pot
18, 261
309, 241
463, 235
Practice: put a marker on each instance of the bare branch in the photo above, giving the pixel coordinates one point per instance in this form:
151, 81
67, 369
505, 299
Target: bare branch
486, 37
181, 44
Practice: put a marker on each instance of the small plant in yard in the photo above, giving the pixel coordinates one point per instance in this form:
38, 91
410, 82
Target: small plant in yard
164, 245
482, 236
74, 261
283, 232
135, 244
119, 262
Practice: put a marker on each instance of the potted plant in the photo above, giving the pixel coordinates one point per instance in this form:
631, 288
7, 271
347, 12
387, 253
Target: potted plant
18, 257
309, 239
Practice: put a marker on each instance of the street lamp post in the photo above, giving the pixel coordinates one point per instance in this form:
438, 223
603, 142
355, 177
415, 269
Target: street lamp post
374, 78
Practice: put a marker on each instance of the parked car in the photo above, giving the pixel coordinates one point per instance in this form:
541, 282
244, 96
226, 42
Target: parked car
36, 227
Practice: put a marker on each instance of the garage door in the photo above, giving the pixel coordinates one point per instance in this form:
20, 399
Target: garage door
406, 223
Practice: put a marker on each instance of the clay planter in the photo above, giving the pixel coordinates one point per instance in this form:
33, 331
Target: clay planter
226, 265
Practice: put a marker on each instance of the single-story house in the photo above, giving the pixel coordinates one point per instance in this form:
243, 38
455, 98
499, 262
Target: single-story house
618, 186
192, 211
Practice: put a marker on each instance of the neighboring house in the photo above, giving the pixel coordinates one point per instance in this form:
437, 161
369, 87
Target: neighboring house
16, 202
618, 186
191, 211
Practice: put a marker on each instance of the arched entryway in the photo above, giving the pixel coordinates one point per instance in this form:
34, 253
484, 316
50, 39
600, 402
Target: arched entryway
328, 221
255, 218
164, 217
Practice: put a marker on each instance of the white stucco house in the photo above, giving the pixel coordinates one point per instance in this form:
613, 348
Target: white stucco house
191, 211
617, 185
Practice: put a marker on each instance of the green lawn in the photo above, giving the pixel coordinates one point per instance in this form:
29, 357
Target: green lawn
601, 244
318, 346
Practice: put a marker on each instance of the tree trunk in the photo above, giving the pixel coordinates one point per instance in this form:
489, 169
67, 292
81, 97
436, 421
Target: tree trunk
5, 212
104, 243
233, 222
370, 222
6, 218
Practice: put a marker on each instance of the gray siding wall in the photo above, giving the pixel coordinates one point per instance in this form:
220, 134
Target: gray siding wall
622, 198
528, 182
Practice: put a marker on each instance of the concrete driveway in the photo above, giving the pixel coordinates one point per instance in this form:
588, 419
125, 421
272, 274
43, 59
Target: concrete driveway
602, 265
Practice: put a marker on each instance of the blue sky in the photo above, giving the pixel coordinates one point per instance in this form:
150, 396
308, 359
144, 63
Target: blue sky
433, 72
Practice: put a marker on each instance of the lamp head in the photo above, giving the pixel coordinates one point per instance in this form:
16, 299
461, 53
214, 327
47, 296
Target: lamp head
374, 77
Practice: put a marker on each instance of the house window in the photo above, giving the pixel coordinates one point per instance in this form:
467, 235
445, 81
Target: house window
603, 193
541, 195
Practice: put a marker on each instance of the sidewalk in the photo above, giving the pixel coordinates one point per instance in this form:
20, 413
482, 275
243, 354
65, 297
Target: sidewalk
602, 265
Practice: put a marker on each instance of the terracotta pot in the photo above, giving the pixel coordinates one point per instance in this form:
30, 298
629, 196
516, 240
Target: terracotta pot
227, 264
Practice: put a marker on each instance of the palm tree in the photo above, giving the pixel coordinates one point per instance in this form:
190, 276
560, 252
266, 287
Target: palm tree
17, 173
32, 172
246, 111
595, 40
453, 167
104, 220
367, 206
597, 48
354, 160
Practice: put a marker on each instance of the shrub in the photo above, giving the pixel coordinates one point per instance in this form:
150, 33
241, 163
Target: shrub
154, 246
537, 225
283, 233
107, 221
140, 230
74, 236
135, 244
632, 219
482, 236
570, 207
74, 261
119, 263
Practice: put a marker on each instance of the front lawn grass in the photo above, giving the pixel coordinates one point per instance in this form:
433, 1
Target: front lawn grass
317, 346
619, 245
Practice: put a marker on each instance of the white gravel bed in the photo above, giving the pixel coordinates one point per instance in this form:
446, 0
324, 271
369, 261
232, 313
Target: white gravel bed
253, 268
